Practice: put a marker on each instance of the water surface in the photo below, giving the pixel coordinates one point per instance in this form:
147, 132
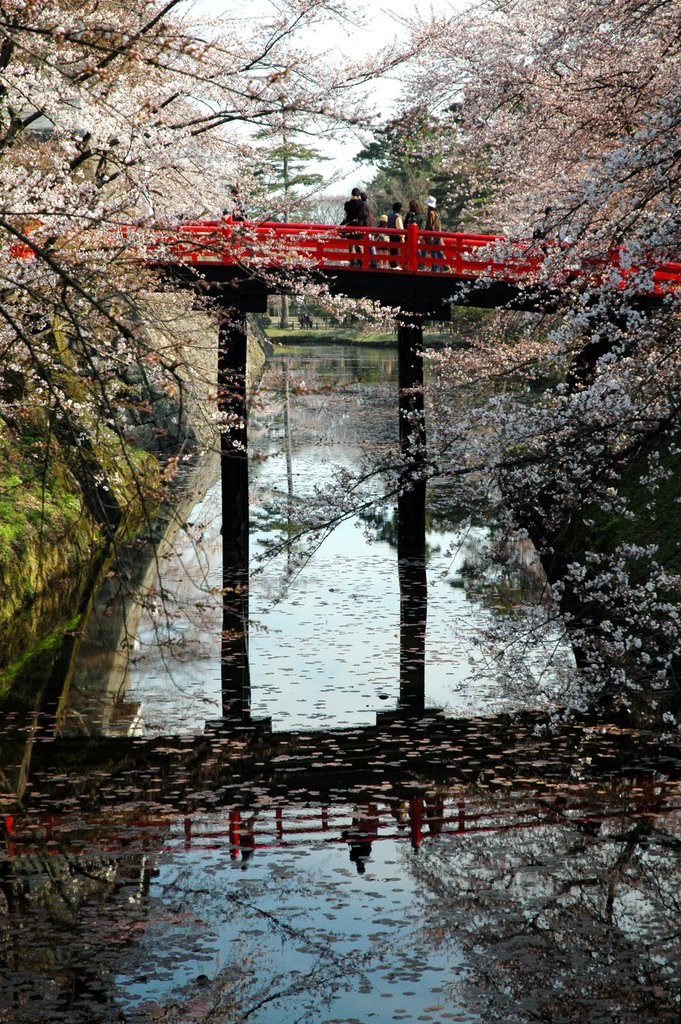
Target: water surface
376, 839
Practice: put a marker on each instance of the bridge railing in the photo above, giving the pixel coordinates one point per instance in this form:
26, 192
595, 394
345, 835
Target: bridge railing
463, 256
325, 246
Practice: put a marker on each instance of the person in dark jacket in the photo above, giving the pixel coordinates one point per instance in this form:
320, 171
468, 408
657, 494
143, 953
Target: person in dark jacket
237, 210
366, 210
355, 214
354, 209
395, 221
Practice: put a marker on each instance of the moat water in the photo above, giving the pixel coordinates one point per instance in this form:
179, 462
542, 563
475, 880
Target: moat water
377, 838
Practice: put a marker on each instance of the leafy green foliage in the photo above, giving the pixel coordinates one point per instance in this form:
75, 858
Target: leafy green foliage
411, 158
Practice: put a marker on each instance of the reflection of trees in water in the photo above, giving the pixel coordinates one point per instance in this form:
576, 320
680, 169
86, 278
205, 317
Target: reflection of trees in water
500, 573
520, 642
381, 524
66, 923
78, 935
255, 981
575, 922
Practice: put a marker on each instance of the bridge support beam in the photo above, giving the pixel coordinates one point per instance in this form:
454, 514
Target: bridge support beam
233, 410
411, 526
411, 533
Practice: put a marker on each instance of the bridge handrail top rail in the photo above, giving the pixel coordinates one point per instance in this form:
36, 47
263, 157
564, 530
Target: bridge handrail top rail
313, 229
304, 227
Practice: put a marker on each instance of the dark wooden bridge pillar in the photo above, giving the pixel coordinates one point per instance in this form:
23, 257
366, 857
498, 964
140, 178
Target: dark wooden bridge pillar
232, 402
412, 518
411, 521
233, 409
413, 619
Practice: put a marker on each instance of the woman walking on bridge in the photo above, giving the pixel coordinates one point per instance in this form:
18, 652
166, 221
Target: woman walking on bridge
414, 214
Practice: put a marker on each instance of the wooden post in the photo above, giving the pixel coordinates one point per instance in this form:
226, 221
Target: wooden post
411, 522
235, 676
412, 247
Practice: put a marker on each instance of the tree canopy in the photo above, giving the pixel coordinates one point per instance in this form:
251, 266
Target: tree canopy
570, 112
120, 114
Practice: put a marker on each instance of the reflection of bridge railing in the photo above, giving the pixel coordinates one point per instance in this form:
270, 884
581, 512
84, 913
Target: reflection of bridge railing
279, 826
462, 256
243, 829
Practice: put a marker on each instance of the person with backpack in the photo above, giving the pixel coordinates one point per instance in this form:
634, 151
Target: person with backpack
414, 214
395, 216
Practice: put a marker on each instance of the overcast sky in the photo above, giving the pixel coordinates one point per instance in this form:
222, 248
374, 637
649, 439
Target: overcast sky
381, 26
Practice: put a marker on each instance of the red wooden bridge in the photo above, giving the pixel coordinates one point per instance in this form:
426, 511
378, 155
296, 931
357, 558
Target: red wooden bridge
402, 266
418, 271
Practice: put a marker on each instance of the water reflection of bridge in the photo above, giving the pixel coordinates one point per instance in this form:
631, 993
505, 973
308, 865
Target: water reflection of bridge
245, 828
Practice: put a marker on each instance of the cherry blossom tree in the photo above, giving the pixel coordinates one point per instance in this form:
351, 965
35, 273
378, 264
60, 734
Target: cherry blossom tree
117, 114
564, 423
569, 113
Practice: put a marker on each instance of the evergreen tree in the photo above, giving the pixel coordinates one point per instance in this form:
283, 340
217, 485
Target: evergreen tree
285, 174
411, 158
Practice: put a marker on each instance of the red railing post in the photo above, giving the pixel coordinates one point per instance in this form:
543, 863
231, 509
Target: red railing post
234, 833
9, 833
415, 805
412, 246
458, 259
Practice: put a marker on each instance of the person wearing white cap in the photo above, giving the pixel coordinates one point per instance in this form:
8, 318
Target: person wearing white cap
433, 223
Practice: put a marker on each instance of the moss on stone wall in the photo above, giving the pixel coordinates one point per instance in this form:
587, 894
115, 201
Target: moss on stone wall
51, 544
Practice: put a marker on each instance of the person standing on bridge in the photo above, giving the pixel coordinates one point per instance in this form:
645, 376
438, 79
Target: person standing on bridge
395, 216
395, 221
380, 236
414, 214
367, 216
237, 211
354, 215
354, 209
542, 226
433, 223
